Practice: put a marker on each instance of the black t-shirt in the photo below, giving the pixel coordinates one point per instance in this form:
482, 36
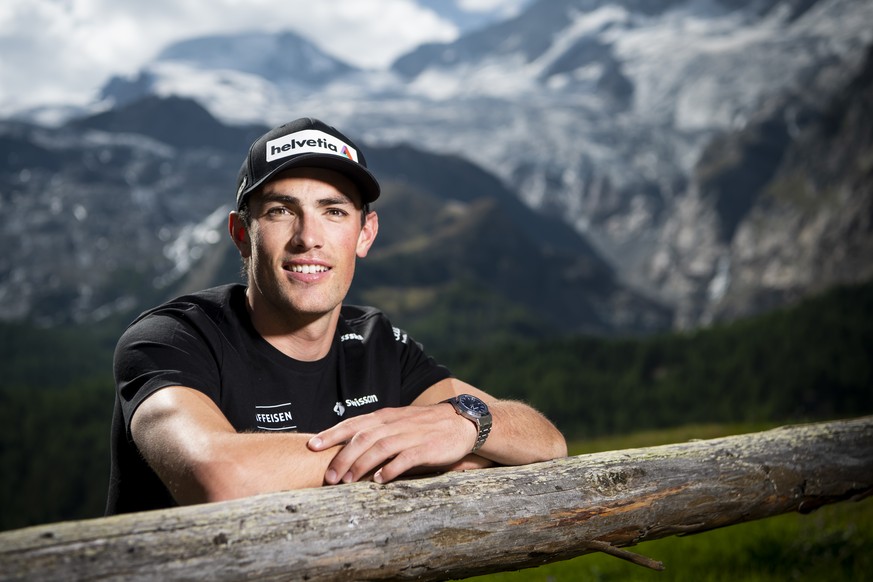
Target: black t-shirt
206, 341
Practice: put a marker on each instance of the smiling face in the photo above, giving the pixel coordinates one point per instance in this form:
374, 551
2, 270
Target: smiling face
301, 243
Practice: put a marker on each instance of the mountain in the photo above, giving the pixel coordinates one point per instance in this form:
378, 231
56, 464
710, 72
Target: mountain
231, 64
605, 114
105, 218
623, 106
809, 220
121, 209
175, 121
778, 210
659, 135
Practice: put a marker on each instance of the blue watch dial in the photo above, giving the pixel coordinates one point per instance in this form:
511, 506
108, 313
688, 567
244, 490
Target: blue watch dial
473, 404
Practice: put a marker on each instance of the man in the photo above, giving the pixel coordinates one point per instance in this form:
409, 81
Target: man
240, 390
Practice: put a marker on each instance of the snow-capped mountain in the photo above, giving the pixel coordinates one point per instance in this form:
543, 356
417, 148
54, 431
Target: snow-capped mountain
597, 111
629, 120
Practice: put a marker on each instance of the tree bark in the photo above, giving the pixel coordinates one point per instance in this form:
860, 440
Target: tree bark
461, 524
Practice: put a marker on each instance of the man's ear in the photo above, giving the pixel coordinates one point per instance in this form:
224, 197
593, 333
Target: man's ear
368, 234
239, 234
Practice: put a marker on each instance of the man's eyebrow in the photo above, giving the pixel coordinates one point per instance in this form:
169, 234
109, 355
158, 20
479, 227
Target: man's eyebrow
335, 201
284, 198
321, 202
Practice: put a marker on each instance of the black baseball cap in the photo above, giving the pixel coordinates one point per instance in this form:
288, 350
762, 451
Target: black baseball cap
304, 143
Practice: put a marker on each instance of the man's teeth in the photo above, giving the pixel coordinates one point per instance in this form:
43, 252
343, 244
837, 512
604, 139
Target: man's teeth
307, 269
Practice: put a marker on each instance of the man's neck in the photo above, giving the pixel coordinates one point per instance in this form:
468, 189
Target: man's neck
306, 338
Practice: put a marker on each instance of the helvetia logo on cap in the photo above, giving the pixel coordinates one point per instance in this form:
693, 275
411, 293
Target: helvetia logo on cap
309, 141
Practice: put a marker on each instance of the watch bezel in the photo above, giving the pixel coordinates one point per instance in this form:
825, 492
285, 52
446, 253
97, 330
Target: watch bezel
472, 405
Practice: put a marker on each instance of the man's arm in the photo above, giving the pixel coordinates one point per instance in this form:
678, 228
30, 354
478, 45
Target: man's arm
200, 457
430, 434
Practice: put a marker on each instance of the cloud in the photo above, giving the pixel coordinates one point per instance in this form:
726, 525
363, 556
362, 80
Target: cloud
62, 51
505, 7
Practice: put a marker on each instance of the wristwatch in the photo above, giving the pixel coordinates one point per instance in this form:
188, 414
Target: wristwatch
473, 409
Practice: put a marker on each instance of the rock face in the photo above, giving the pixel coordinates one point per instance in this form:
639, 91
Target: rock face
811, 223
107, 219
778, 210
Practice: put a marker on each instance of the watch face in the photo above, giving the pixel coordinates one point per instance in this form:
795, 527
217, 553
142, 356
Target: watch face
473, 404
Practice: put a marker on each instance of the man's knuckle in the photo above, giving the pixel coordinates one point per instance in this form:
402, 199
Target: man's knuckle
364, 438
385, 415
384, 447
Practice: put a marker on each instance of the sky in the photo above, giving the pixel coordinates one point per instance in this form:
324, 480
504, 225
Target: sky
62, 51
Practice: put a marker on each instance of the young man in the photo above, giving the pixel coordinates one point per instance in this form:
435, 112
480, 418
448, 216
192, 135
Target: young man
240, 390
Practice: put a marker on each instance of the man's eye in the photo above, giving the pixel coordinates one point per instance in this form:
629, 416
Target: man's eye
337, 212
278, 211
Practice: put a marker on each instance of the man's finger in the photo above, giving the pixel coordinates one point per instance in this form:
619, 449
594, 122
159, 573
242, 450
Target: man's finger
396, 440
343, 432
366, 451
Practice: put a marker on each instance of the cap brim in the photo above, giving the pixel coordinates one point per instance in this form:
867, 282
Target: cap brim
361, 176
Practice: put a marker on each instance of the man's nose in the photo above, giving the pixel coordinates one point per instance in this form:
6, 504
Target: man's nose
308, 233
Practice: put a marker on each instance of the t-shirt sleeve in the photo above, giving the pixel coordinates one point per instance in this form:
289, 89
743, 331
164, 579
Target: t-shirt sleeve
419, 371
161, 350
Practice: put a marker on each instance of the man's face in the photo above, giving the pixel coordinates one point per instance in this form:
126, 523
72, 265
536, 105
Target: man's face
304, 237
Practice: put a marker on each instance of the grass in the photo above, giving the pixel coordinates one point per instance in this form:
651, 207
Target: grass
834, 543
664, 437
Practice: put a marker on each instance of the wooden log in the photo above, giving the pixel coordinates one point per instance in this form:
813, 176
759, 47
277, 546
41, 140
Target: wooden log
460, 524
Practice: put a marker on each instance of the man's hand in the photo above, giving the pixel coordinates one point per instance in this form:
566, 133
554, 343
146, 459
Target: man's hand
430, 436
392, 441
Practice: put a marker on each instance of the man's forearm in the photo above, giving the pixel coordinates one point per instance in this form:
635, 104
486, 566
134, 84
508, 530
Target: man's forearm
521, 435
252, 463
201, 458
